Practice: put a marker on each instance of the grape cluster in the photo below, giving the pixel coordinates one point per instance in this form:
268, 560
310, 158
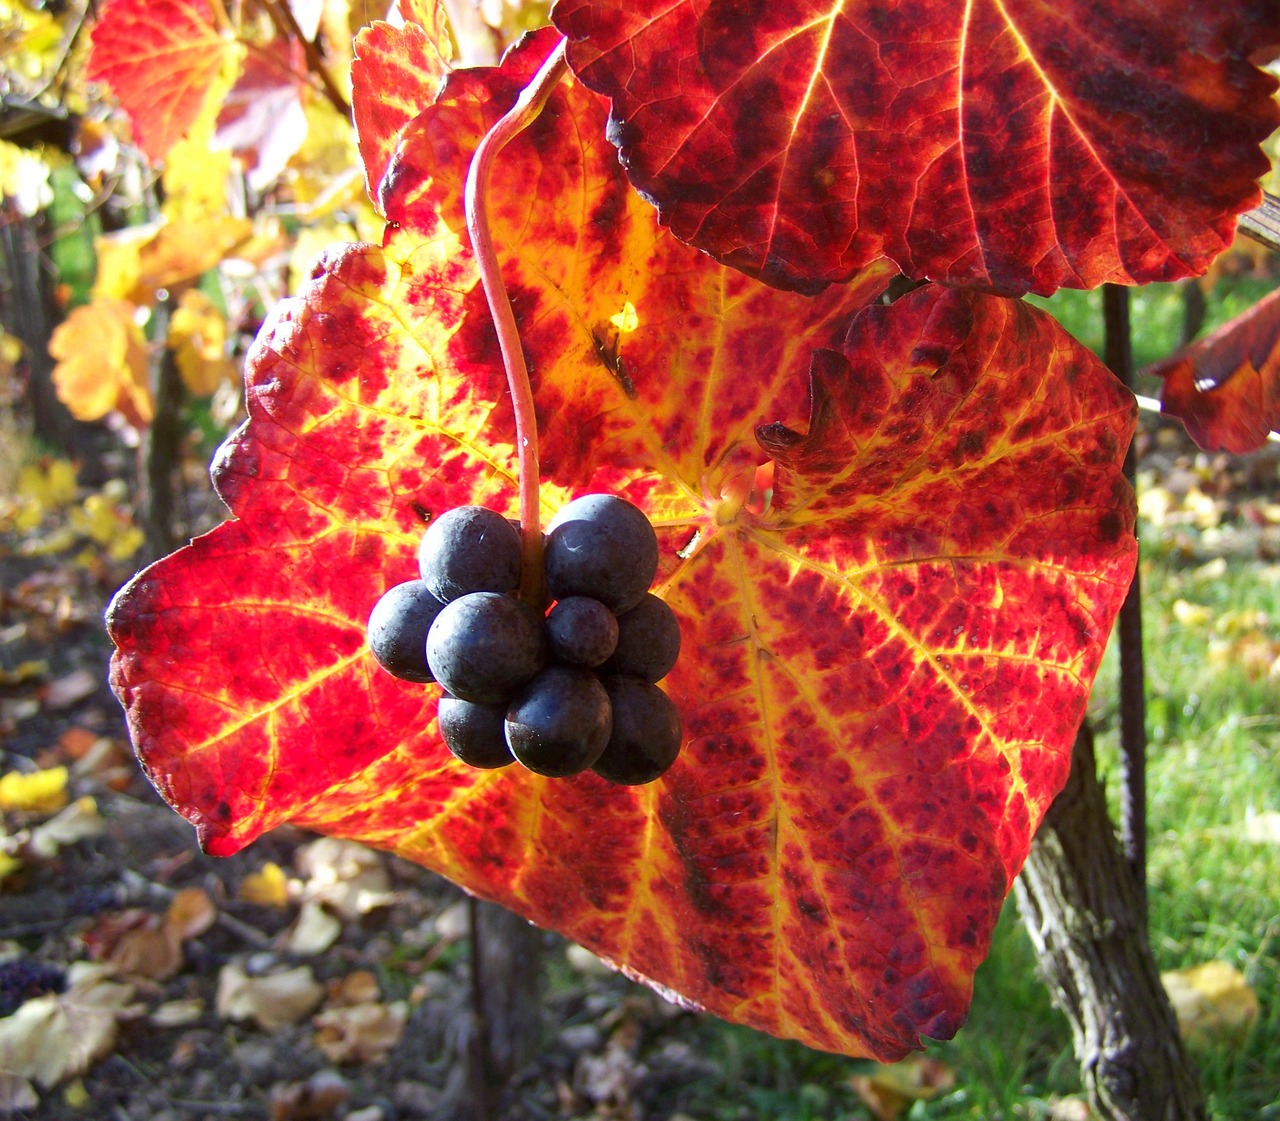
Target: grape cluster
560, 692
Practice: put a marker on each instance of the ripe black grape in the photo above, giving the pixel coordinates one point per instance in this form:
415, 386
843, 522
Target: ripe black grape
469, 549
398, 627
648, 641
582, 631
560, 722
484, 646
475, 733
601, 546
646, 732
24, 978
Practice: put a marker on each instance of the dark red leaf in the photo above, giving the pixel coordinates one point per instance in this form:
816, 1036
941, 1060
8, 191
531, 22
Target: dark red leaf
1015, 145
1226, 387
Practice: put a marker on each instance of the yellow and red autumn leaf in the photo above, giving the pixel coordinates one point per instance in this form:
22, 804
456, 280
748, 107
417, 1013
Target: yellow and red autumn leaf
1017, 145
1225, 388
396, 72
883, 669
162, 59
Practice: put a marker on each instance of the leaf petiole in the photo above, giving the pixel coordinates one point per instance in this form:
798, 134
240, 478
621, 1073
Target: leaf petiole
526, 109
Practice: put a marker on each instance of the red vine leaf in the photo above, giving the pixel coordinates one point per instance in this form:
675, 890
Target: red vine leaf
1225, 388
883, 668
1005, 143
161, 58
395, 75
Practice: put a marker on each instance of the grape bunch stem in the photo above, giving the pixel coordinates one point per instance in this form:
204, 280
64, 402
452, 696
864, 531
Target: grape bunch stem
476, 200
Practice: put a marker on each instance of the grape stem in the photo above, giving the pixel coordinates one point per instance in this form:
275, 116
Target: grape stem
526, 109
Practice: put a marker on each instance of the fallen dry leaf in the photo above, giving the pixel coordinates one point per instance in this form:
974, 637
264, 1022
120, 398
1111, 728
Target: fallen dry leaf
274, 1001
313, 931
191, 912
71, 689
1213, 1002
137, 943
54, 1037
76, 822
360, 1033
893, 1088
176, 1013
348, 877
17, 1095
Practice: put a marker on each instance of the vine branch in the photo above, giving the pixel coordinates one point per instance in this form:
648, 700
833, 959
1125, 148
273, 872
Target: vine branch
526, 109
1133, 704
282, 16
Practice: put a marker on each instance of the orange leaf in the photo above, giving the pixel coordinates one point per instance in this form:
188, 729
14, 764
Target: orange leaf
198, 336
1226, 387
1010, 144
883, 668
161, 58
102, 362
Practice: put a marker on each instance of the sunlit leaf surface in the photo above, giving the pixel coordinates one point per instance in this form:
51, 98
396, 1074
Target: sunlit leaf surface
883, 666
396, 72
161, 58
1011, 144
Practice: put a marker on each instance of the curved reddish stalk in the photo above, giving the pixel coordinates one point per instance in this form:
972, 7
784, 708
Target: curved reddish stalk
526, 109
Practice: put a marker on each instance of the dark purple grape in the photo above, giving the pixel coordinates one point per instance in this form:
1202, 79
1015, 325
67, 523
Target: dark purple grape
484, 646
582, 631
646, 732
648, 641
475, 733
398, 627
603, 547
23, 978
559, 723
469, 549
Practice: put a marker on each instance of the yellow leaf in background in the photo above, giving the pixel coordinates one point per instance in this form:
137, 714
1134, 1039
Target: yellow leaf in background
183, 249
325, 172
29, 40
37, 792
1191, 614
1213, 1002
195, 180
136, 262
119, 275
340, 20
8, 865
108, 524
198, 336
50, 483
102, 362
268, 887
11, 350
24, 178
310, 243
23, 672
